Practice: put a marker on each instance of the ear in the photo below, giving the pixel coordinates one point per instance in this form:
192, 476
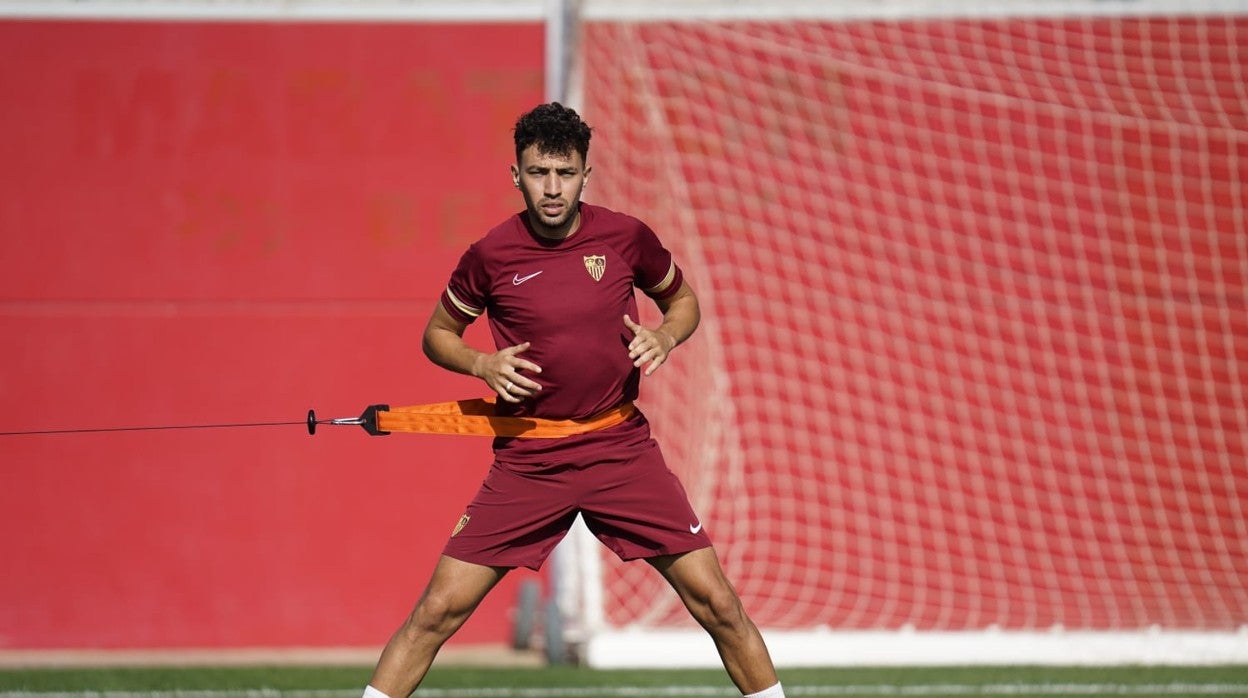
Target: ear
515, 176
588, 170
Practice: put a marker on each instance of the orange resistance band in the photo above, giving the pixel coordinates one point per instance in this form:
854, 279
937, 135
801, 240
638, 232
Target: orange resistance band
476, 417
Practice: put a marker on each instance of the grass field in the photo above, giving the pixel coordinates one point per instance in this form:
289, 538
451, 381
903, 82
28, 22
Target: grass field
573, 682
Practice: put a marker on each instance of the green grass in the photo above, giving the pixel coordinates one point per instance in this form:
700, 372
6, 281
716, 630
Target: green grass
569, 682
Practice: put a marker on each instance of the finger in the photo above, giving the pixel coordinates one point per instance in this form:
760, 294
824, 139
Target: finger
516, 384
644, 343
651, 354
516, 349
632, 326
654, 365
638, 343
524, 387
504, 391
634, 348
525, 365
513, 391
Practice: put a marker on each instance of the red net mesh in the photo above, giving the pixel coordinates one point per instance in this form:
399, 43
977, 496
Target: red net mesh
975, 339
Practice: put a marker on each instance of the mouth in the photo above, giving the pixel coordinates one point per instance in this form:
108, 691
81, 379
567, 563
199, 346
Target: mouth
552, 209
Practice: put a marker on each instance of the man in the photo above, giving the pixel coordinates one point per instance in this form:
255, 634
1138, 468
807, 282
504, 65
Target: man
556, 282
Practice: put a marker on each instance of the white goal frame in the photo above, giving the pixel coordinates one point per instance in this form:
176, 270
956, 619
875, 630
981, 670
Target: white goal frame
577, 567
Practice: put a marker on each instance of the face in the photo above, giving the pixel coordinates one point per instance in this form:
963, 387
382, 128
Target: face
552, 186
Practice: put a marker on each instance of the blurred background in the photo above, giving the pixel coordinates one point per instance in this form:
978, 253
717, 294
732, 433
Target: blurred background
974, 280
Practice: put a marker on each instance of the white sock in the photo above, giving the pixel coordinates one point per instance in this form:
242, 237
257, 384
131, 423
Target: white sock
773, 692
370, 692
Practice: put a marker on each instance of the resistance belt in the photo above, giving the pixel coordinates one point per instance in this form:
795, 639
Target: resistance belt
474, 417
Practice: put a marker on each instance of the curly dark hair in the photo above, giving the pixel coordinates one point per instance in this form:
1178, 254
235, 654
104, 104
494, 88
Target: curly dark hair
555, 129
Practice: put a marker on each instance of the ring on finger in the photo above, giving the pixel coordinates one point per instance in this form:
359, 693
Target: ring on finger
508, 387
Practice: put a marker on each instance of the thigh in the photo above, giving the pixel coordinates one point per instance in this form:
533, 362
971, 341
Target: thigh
515, 520
694, 575
638, 507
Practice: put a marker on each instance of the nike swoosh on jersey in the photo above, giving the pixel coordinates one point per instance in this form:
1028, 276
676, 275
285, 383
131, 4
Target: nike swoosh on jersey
517, 279
694, 528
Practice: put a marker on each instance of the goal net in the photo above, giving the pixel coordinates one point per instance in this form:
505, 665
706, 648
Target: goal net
972, 380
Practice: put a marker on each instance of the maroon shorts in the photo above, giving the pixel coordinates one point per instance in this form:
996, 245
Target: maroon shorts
630, 501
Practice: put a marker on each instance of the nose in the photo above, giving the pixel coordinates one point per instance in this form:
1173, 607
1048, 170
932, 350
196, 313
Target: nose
552, 186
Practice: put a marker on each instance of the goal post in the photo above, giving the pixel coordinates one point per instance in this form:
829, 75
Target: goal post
970, 385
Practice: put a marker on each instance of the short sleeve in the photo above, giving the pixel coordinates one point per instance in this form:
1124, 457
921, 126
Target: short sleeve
465, 294
656, 271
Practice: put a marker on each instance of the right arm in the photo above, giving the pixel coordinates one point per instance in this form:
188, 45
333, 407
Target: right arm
444, 344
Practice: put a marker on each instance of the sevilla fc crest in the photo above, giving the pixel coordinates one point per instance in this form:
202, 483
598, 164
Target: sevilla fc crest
596, 265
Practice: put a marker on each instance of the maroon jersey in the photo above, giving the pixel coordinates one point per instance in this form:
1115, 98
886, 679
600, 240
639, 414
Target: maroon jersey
568, 299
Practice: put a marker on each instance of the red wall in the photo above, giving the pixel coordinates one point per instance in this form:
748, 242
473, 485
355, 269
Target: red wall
225, 223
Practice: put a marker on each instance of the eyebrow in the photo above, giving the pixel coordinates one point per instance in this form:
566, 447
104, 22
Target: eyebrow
561, 168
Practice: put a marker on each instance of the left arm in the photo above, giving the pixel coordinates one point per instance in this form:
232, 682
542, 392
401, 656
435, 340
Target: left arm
681, 315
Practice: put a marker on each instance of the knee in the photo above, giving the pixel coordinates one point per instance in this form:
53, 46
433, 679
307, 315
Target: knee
436, 614
719, 609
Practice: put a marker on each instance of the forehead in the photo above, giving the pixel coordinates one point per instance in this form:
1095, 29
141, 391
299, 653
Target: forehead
532, 156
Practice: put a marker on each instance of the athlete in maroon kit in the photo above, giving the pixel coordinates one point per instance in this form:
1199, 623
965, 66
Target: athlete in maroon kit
571, 296
556, 282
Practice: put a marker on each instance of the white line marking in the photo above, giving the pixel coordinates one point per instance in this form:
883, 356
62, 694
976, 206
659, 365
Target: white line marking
997, 689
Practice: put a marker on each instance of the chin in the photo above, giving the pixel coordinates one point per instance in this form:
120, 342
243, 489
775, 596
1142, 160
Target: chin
553, 222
